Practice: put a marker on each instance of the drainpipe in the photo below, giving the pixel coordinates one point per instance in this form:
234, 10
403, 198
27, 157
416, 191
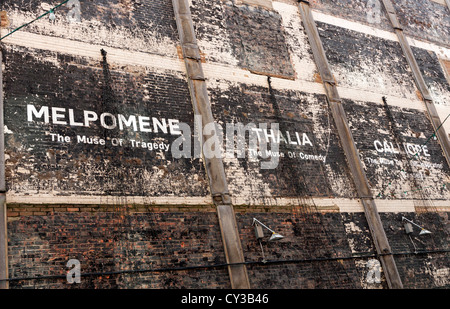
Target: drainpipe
3, 213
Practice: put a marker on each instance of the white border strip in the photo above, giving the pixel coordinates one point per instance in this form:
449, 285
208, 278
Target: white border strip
441, 51
443, 112
87, 50
334, 204
355, 26
211, 70
48, 199
345, 204
372, 97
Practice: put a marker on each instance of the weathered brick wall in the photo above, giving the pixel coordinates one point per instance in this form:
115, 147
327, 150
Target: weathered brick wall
250, 36
313, 245
258, 39
420, 270
125, 209
323, 250
378, 66
365, 62
318, 246
434, 75
39, 163
368, 12
150, 25
121, 240
389, 152
424, 20
296, 113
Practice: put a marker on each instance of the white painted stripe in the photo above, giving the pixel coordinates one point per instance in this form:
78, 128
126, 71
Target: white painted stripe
81, 49
354, 26
322, 204
345, 205
368, 96
443, 112
441, 51
212, 70
105, 200
440, 2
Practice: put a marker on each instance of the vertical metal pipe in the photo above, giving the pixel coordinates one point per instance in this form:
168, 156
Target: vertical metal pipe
3, 213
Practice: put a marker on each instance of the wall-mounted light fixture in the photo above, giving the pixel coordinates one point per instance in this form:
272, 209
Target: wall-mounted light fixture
259, 233
409, 229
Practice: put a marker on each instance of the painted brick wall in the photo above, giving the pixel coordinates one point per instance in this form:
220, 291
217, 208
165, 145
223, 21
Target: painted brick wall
250, 36
361, 61
377, 65
60, 64
434, 75
77, 166
118, 241
368, 12
296, 113
392, 168
150, 25
425, 20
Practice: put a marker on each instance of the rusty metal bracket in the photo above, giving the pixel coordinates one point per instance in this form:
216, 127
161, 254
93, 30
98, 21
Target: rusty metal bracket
222, 199
351, 152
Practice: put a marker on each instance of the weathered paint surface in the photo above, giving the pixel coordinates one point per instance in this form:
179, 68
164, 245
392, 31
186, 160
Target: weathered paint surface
433, 73
41, 161
425, 20
60, 64
297, 174
400, 159
250, 36
366, 62
150, 25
